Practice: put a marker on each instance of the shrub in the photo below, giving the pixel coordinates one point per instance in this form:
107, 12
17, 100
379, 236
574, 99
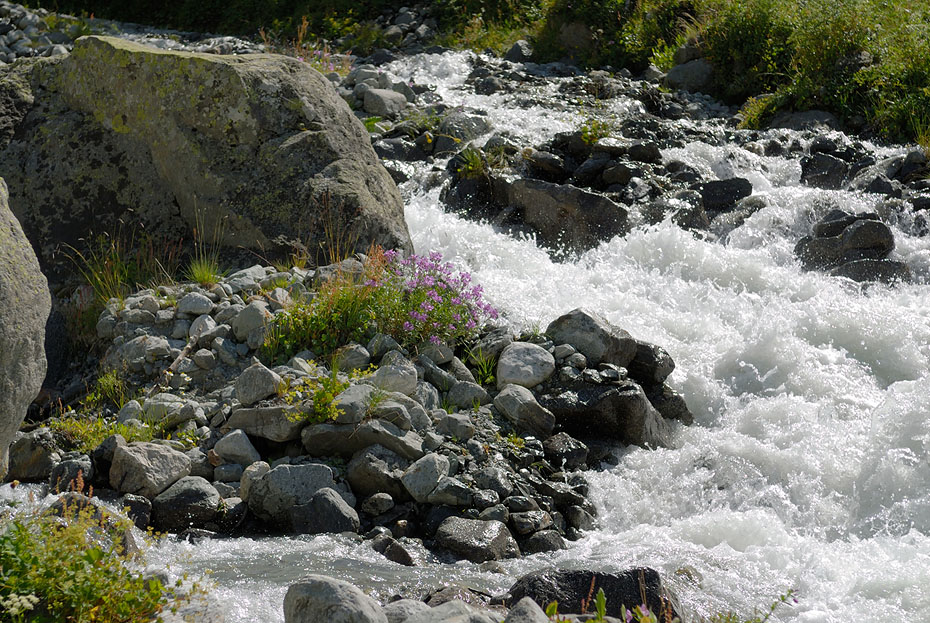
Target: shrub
73, 569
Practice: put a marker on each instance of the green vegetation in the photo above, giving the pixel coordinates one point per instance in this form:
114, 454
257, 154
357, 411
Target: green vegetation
471, 164
322, 391
74, 569
414, 299
594, 129
85, 433
109, 389
484, 366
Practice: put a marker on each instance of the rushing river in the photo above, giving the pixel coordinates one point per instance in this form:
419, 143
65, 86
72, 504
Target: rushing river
808, 465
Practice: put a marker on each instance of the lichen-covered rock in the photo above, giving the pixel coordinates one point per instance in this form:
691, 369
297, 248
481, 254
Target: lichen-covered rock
24, 307
258, 148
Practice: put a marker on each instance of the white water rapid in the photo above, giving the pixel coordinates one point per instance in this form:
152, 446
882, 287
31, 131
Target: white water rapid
808, 465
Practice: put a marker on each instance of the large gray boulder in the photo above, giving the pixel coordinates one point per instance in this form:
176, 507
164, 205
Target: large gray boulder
318, 598
594, 337
272, 496
259, 149
190, 502
694, 76
522, 363
24, 307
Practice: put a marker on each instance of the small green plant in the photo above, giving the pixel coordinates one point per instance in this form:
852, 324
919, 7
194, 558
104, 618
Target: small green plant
484, 366
74, 568
110, 389
757, 111
515, 441
594, 129
371, 123
322, 390
472, 165
204, 266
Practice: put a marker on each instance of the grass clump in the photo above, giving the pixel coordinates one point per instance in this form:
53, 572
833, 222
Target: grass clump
88, 432
74, 569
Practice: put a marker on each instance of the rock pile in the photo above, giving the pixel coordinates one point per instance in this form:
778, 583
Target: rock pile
856, 246
318, 597
415, 447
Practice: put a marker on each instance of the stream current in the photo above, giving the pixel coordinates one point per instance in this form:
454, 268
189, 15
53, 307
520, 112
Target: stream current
808, 465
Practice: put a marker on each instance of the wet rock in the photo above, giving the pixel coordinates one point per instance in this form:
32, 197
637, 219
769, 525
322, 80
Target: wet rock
620, 412
886, 271
272, 495
823, 171
327, 512
841, 238
651, 364
476, 540
569, 588
519, 52
318, 598
189, 502
720, 195
33, 456
563, 450
376, 469
598, 340
670, 404
543, 541
72, 467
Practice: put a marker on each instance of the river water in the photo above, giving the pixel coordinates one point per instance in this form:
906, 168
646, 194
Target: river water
808, 465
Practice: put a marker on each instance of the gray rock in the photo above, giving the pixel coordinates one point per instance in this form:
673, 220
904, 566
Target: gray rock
456, 425
235, 447
256, 383
436, 376
169, 158
200, 464
272, 495
526, 611
696, 76
426, 395
377, 504
353, 403
823, 171
33, 456
530, 521
250, 475
253, 316
317, 598
519, 405
453, 611
719, 195
564, 215
476, 540
887, 271
396, 374
25, 310
327, 512
579, 518
345, 439
384, 103
563, 450
279, 423
195, 304
421, 478
147, 469
597, 339
352, 357
519, 52
651, 365
543, 541
394, 412
65, 474
465, 395
621, 412
376, 469
522, 363
450, 492
189, 502
494, 478
402, 609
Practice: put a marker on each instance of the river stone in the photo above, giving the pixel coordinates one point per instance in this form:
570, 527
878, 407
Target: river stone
423, 475
696, 76
235, 447
246, 148
256, 383
326, 512
522, 363
396, 374
195, 304
278, 423
272, 495
543, 541
146, 468
597, 339
563, 450
476, 540
353, 403
519, 405
344, 440
250, 475
65, 474
384, 103
450, 491
33, 456
317, 598
621, 412
823, 171
719, 195
377, 504
25, 304
651, 365
566, 216
190, 502
402, 609
376, 469
570, 588
253, 316
526, 611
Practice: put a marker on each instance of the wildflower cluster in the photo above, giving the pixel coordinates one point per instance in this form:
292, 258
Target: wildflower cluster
422, 298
